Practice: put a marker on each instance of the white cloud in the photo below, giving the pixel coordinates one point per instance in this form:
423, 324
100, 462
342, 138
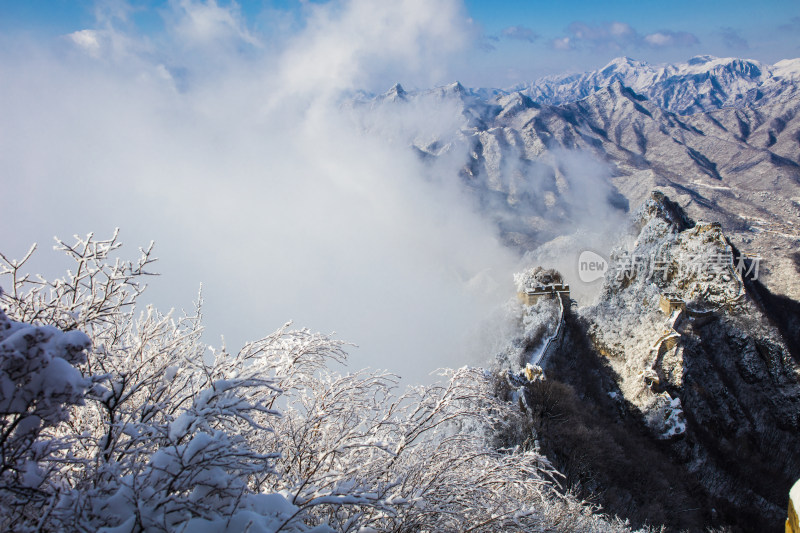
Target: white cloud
667, 38
621, 29
87, 40
658, 39
198, 23
344, 45
618, 36
564, 43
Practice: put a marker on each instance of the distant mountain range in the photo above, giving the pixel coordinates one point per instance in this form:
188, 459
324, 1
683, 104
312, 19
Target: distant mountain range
720, 136
703, 83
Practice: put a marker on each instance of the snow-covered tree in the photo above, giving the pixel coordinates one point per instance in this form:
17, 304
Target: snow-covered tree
536, 277
38, 384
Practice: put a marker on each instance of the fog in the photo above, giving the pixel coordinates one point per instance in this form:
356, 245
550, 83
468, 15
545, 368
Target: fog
596, 217
237, 154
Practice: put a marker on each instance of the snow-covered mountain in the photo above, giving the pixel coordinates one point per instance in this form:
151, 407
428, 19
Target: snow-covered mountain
717, 383
543, 170
675, 398
701, 84
703, 405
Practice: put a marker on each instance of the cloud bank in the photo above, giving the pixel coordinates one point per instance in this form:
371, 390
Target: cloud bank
617, 36
236, 153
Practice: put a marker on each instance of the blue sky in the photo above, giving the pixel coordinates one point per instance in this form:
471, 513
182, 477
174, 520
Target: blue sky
577, 34
512, 41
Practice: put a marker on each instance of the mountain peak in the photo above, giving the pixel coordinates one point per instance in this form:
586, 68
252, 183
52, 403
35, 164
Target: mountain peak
456, 87
624, 65
787, 68
396, 89
396, 92
658, 205
624, 61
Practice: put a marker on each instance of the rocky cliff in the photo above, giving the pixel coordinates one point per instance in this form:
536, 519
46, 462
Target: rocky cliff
688, 419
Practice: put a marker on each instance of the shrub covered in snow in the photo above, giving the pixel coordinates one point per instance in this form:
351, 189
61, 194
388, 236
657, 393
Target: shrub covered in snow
38, 384
526, 333
536, 277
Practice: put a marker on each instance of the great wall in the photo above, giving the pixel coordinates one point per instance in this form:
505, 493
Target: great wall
674, 306
531, 296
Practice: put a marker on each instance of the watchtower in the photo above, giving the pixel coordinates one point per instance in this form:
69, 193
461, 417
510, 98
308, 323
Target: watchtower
553, 290
670, 302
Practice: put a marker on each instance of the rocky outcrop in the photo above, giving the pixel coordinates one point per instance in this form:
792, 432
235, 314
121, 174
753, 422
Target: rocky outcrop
710, 391
728, 369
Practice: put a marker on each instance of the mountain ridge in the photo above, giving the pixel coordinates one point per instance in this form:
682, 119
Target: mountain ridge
737, 165
700, 84
674, 399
